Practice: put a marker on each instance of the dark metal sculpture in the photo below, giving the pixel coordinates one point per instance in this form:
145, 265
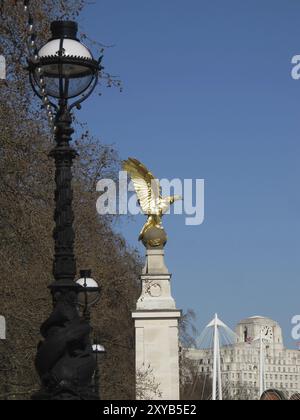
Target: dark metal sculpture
65, 361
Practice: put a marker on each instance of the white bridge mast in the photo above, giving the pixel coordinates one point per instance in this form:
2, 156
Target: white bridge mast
217, 393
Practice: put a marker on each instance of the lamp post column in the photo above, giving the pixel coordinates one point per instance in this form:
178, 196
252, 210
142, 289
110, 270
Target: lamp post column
64, 267
65, 360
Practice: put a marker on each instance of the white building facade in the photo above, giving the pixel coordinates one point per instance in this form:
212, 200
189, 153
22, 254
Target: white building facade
240, 362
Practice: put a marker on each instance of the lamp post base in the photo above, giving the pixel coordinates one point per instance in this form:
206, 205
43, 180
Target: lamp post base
65, 360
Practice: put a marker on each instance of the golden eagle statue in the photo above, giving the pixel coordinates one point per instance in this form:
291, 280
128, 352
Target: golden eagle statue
148, 191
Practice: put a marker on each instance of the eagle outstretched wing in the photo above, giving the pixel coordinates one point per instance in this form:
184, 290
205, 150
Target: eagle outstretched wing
146, 186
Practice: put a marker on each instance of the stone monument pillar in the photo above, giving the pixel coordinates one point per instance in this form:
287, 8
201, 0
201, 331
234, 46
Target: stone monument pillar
156, 324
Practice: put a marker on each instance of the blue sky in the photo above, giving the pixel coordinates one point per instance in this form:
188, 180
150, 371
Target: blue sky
208, 94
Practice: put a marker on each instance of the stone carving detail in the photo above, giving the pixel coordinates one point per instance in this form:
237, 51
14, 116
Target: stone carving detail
155, 290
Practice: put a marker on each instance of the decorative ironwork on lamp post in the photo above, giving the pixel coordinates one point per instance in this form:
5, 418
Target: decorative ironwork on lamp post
66, 72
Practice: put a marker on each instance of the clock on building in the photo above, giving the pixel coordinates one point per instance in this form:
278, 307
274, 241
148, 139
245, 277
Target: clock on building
267, 333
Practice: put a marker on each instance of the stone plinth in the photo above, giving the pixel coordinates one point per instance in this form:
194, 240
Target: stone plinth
156, 283
156, 325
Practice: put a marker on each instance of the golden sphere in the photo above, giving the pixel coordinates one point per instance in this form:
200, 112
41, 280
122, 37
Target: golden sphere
155, 238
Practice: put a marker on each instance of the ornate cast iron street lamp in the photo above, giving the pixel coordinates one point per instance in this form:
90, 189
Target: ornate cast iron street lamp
63, 74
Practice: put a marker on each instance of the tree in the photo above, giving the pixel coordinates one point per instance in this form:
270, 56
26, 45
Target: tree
188, 332
26, 221
194, 384
147, 387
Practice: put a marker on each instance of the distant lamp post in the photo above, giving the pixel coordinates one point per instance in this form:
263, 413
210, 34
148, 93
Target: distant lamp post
63, 73
100, 353
2, 328
2, 68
